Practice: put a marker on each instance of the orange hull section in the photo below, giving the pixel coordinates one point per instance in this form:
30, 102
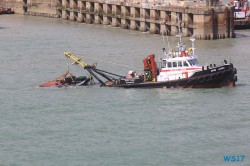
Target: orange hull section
49, 84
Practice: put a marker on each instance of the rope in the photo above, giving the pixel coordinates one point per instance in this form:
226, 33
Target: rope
130, 67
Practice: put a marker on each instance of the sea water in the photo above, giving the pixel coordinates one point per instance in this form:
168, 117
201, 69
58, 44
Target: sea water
100, 126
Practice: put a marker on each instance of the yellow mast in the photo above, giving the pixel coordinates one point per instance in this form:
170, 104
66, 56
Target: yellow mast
90, 69
77, 61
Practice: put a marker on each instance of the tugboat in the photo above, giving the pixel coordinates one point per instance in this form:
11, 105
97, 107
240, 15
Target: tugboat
180, 69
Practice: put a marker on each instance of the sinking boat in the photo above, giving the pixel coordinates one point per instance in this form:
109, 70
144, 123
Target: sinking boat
67, 79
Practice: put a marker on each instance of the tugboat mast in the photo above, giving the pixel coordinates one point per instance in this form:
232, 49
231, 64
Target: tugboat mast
193, 48
180, 44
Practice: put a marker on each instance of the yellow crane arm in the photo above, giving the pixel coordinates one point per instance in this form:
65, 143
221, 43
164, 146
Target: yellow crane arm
74, 58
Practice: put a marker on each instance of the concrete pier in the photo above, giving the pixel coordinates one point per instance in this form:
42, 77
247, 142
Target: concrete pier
203, 22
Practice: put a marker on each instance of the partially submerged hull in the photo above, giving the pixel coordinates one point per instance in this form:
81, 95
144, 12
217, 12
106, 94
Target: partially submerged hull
49, 84
79, 81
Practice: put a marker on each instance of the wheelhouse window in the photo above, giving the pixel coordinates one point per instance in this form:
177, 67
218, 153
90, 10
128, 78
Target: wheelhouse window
163, 64
185, 63
193, 62
169, 64
190, 62
180, 64
174, 64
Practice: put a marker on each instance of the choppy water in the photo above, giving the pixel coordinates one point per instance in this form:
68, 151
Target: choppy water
94, 126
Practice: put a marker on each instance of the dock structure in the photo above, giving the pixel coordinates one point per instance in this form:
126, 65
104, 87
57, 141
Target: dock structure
206, 22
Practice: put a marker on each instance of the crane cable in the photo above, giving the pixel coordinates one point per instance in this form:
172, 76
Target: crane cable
130, 67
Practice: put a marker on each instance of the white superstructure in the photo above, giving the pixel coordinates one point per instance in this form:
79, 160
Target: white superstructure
178, 64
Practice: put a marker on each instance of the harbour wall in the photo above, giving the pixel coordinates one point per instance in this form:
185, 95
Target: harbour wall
208, 21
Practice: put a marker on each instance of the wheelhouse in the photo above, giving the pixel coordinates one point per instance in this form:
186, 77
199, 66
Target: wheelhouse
179, 63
